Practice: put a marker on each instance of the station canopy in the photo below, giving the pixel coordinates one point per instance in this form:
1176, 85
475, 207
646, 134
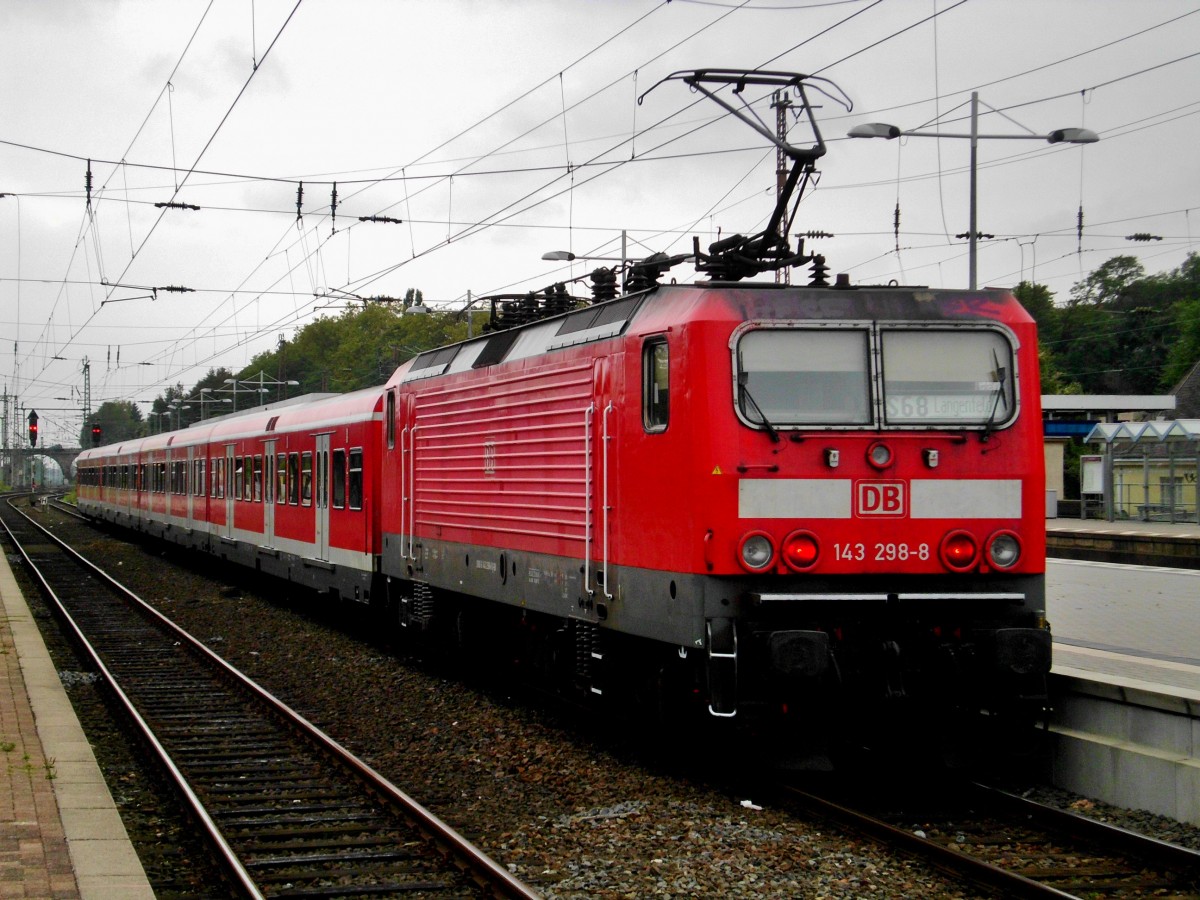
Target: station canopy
1175, 431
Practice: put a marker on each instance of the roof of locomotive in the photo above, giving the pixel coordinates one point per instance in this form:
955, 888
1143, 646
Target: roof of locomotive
674, 305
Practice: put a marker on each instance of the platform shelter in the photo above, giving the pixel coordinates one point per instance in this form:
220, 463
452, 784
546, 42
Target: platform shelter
1146, 471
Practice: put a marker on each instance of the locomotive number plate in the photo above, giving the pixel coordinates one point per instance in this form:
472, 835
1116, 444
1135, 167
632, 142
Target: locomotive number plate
881, 552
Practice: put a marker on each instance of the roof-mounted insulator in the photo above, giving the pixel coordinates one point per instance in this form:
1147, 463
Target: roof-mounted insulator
604, 285
558, 301
645, 273
819, 272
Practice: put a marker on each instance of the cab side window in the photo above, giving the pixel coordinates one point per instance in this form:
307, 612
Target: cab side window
390, 416
656, 384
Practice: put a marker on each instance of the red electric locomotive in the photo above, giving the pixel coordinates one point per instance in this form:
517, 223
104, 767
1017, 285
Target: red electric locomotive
769, 495
821, 503
764, 496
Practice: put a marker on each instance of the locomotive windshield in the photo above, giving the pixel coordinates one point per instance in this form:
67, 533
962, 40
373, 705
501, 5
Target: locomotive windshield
946, 377
797, 377
875, 376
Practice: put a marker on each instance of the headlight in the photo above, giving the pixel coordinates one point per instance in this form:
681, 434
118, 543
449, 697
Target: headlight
1004, 550
879, 456
756, 551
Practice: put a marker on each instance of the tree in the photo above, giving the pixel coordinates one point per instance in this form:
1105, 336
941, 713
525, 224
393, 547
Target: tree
1108, 282
1120, 331
357, 349
1185, 325
119, 420
1038, 301
1054, 381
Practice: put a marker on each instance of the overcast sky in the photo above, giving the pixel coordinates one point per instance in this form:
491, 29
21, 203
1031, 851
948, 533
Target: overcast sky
497, 131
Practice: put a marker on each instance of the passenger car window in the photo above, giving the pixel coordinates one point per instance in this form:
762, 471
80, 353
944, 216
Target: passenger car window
306, 478
281, 476
356, 478
294, 479
339, 478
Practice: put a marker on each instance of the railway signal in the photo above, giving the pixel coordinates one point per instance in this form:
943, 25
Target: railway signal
33, 428
96, 435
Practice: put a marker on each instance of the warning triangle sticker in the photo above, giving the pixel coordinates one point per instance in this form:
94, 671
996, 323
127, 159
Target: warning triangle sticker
717, 471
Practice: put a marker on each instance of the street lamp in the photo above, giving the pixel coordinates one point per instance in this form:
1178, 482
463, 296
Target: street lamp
179, 408
235, 390
1060, 136
205, 401
568, 256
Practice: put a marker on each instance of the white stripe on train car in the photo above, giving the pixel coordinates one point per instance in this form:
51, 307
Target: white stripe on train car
966, 498
794, 498
832, 498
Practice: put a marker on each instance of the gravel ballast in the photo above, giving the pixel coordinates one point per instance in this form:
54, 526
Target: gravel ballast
571, 810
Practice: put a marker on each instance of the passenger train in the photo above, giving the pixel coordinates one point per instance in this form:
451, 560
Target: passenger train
818, 504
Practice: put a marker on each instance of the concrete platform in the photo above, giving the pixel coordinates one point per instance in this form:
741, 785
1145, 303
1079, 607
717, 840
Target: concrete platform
1126, 730
60, 833
1126, 678
1130, 541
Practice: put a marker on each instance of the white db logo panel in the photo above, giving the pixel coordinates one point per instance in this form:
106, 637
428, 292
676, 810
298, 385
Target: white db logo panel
880, 498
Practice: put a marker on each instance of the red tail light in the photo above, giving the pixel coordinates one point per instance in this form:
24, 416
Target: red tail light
959, 551
800, 550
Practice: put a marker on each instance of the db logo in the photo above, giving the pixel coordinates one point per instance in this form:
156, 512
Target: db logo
880, 498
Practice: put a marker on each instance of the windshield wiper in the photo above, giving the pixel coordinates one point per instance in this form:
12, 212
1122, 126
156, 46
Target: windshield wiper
1001, 374
743, 377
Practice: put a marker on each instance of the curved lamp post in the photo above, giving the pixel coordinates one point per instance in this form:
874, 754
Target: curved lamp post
1060, 136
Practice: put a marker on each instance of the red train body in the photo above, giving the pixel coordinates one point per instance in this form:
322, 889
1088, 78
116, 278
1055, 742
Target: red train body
822, 503
287, 489
765, 497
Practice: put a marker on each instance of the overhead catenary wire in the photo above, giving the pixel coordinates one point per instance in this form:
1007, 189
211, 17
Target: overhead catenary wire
199, 156
407, 175
444, 143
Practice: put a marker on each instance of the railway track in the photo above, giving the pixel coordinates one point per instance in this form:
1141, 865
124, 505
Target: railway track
288, 811
67, 509
1007, 844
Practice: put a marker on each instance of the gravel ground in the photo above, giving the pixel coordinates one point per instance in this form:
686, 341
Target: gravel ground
567, 806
